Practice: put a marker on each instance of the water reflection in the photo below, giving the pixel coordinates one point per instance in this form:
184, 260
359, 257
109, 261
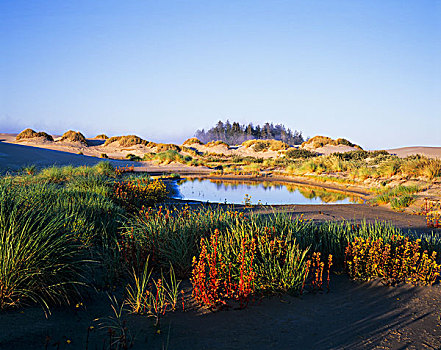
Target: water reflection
258, 192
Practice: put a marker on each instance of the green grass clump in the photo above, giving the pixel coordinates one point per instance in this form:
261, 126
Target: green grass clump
167, 157
401, 202
40, 259
400, 196
133, 157
359, 155
172, 236
296, 153
29, 134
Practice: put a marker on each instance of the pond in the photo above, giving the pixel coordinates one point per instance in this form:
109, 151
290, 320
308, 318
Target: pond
256, 192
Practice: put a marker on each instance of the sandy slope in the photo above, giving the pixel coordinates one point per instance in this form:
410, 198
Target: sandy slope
431, 152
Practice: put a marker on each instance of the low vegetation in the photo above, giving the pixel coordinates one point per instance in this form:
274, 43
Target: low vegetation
399, 196
265, 145
128, 141
30, 134
193, 141
217, 143
73, 136
163, 147
101, 137
300, 153
321, 141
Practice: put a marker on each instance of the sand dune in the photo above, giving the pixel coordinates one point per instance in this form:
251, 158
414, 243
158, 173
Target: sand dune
431, 152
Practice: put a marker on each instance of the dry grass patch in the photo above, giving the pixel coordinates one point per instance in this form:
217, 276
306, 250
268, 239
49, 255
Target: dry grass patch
265, 145
321, 141
129, 140
217, 143
102, 137
163, 147
73, 136
30, 134
193, 141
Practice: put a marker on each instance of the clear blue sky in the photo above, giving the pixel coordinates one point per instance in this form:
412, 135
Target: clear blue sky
369, 71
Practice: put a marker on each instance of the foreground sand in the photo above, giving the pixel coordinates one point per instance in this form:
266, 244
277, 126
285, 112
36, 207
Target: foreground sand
350, 316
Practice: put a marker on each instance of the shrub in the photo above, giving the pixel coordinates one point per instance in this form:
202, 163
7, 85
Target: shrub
133, 157
134, 194
73, 136
102, 137
29, 134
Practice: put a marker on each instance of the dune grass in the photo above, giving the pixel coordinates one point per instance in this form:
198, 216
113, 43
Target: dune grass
128, 141
265, 145
29, 134
320, 141
193, 141
73, 136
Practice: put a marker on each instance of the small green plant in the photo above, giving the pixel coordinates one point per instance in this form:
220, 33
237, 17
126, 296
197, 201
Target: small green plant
152, 298
30, 170
133, 157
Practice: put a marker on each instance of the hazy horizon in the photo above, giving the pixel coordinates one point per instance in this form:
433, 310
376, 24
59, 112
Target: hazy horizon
366, 71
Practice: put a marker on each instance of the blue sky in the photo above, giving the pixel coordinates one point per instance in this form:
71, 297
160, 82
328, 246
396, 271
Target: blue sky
369, 71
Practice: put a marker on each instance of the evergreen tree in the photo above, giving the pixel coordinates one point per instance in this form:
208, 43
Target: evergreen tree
235, 133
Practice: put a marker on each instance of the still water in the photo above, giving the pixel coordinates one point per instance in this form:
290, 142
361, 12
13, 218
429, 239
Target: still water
256, 192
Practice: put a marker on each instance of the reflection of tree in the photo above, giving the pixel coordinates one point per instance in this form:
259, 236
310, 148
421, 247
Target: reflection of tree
307, 193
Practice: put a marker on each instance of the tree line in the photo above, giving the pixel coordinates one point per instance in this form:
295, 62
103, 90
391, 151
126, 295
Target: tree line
235, 133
